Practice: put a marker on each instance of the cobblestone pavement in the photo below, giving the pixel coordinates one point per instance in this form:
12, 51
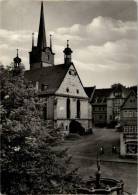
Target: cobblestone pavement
84, 150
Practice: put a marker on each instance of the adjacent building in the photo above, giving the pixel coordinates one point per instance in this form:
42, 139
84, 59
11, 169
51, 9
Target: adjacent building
106, 104
99, 106
59, 85
128, 119
114, 102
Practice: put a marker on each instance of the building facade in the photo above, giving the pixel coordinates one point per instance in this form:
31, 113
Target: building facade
106, 104
128, 119
114, 102
99, 106
59, 85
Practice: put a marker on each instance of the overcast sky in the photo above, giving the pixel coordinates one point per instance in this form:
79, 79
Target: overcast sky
102, 34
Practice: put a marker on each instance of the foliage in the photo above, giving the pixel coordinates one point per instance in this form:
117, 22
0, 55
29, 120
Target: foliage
29, 164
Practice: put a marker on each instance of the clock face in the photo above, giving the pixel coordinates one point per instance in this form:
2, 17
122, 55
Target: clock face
72, 72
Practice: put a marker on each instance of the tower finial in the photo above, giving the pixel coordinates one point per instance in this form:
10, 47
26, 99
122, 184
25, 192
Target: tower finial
32, 39
17, 52
67, 43
50, 42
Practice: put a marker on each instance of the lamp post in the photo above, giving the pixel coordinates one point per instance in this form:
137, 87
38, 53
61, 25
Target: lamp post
98, 172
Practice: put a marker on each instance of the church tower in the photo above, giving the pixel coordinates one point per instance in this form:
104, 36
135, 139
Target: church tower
41, 55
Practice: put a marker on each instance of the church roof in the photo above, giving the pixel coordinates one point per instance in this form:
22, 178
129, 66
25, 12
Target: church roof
51, 77
89, 90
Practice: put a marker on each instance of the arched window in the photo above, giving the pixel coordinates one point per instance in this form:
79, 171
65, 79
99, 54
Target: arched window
45, 112
68, 108
78, 108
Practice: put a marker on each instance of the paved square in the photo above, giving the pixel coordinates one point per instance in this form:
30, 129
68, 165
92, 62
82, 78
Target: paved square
84, 150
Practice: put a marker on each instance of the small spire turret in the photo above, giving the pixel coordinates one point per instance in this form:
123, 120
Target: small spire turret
17, 69
67, 43
51, 42
32, 39
67, 54
17, 52
17, 60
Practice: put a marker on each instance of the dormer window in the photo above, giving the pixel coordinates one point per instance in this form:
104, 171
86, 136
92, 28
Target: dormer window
117, 93
43, 87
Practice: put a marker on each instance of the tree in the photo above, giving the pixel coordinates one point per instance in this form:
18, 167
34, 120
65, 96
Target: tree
29, 164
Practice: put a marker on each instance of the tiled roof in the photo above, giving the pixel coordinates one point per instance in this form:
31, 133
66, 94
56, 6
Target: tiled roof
134, 88
100, 95
89, 90
51, 76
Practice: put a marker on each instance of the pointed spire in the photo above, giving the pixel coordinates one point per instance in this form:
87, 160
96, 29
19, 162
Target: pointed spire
32, 39
67, 54
67, 43
17, 52
41, 43
51, 42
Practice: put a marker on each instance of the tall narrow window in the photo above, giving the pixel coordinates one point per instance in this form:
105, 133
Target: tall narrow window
68, 108
78, 108
45, 112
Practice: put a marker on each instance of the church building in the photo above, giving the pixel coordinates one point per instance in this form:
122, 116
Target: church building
59, 85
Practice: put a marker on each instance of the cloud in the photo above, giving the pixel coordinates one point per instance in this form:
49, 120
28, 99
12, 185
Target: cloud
18, 37
10, 41
105, 43
100, 30
103, 46
111, 54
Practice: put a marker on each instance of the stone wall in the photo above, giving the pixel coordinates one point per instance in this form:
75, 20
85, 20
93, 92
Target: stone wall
60, 112
64, 124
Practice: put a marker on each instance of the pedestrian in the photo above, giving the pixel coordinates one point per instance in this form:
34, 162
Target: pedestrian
114, 150
101, 150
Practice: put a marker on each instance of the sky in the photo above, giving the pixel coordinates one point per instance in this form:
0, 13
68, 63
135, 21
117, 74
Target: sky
102, 35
